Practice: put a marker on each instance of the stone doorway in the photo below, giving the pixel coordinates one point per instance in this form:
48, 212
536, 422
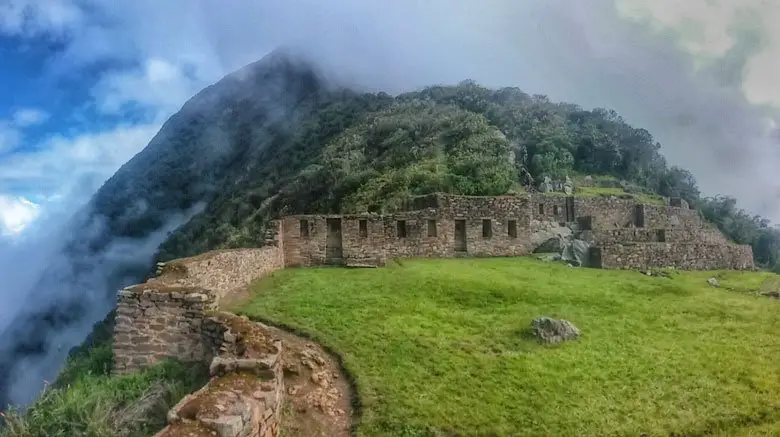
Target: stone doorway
334, 252
569, 207
460, 235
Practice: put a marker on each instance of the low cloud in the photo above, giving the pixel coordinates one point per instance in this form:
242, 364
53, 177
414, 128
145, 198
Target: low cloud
15, 214
74, 166
29, 117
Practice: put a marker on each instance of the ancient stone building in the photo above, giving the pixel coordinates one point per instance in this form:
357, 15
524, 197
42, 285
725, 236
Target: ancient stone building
622, 232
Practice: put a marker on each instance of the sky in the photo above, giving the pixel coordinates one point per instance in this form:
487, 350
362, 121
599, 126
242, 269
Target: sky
85, 84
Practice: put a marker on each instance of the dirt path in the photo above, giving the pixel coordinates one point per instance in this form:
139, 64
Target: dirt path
318, 401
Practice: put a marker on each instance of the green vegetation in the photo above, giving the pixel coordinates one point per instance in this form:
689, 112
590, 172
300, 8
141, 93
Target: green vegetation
86, 401
340, 151
437, 347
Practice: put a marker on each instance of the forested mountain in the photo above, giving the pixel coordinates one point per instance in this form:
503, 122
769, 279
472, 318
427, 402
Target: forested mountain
275, 137
367, 152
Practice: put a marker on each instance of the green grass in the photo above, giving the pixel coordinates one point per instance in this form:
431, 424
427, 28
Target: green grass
87, 402
651, 199
436, 347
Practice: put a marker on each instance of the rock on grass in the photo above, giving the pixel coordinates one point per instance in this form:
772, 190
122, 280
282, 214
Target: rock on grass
551, 331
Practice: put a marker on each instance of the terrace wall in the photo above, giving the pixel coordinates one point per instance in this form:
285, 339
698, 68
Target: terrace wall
685, 256
658, 235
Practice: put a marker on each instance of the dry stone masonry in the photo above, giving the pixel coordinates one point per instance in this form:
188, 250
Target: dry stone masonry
176, 314
621, 233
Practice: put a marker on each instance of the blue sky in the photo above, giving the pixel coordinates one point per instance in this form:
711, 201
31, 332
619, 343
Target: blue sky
85, 84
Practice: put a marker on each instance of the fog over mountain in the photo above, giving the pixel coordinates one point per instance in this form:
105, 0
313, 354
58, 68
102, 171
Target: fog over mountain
59, 275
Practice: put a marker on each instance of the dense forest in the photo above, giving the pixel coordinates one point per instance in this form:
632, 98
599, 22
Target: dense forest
367, 152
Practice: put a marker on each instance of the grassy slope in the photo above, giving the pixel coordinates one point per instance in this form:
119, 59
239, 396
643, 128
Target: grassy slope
86, 401
437, 344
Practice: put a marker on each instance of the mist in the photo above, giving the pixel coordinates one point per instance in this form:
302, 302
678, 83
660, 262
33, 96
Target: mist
581, 52
56, 287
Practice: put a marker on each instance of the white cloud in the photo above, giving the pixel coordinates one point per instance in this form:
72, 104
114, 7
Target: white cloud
67, 165
10, 137
29, 117
158, 85
12, 131
35, 17
16, 213
556, 47
708, 30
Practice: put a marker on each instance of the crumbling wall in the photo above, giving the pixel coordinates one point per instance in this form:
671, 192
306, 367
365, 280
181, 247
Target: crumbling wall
244, 396
157, 322
175, 316
685, 256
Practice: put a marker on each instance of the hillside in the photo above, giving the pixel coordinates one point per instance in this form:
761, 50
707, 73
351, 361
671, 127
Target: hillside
438, 347
278, 137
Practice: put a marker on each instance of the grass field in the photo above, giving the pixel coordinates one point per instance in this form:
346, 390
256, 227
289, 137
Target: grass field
436, 347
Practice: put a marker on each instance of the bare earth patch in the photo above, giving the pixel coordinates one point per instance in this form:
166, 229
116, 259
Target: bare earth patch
318, 396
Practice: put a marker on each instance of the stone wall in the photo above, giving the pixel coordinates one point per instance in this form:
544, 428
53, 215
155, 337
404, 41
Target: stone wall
657, 216
244, 396
702, 235
175, 316
493, 226
551, 208
685, 256
222, 271
607, 212
162, 318
154, 322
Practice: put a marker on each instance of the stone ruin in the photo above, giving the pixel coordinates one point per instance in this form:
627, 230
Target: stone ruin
602, 232
176, 315
565, 186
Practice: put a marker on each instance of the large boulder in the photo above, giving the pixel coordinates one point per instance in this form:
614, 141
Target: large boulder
577, 253
549, 234
546, 186
552, 245
551, 331
568, 186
